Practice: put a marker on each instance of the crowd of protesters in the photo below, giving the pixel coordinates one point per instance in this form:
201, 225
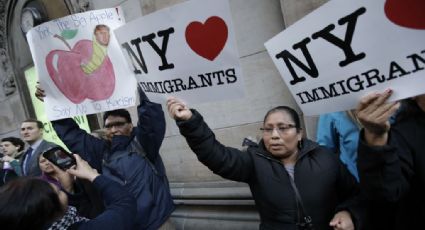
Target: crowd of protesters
380, 189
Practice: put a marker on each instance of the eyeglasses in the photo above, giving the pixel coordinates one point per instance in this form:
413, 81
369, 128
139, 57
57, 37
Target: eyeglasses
118, 124
280, 130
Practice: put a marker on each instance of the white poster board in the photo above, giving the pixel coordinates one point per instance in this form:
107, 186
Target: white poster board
187, 50
80, 64
346, 49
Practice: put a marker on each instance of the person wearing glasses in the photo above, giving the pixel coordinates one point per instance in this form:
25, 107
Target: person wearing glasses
296, 184
129, 156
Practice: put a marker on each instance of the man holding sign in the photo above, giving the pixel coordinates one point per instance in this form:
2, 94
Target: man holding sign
130, 156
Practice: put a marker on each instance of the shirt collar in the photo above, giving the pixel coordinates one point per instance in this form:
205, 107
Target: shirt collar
36, 144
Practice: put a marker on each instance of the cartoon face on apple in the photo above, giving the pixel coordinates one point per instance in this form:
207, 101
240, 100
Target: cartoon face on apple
85, 70
100, 49
102, 35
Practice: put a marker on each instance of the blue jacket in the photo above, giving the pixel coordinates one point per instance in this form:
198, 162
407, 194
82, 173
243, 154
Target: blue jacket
338, 132
141, 174
120, 210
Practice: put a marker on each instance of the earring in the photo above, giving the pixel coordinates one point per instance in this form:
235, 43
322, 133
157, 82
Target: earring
300, 144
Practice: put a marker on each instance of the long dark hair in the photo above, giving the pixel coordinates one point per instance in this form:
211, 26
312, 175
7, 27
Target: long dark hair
28, 203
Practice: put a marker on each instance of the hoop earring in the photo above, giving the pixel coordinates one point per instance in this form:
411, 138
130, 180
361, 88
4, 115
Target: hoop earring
300, 144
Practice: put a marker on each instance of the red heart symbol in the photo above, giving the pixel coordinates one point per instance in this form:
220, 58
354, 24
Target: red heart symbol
207, 40
406, 13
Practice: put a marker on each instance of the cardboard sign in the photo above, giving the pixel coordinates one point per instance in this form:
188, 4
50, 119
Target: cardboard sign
80, 64
346, 49
187, 51
49, 133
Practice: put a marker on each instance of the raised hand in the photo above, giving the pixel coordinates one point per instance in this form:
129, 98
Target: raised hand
342, 221
178, 109
39, 92
83, 169
373, 113
7, 159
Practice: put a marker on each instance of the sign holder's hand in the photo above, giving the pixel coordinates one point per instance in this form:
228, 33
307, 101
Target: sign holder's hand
178, 109
373, 113
39, 92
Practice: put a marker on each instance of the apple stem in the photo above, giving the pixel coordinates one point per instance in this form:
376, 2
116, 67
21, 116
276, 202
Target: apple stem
63, 40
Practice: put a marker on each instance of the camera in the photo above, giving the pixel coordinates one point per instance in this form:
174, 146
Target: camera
60, 157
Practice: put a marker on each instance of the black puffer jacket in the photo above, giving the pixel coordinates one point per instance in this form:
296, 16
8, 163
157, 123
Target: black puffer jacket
323, 182
393, 175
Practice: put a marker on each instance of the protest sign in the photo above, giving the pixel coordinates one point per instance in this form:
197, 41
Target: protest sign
49, 133
346, 49
187, 51
80, 64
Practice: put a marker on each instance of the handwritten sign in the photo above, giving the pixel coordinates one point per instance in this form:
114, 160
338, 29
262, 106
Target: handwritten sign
80, 64
49, 133
346, 49
187, 51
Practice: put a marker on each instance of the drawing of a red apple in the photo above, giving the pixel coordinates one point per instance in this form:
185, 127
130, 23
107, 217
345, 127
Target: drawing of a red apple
64, 68
406, 13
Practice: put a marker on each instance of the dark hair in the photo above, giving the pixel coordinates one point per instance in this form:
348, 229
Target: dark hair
117, 113
39, 123
15, 141
290, 111
28, 203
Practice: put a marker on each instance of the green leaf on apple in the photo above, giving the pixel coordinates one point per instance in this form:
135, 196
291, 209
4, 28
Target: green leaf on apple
69, 34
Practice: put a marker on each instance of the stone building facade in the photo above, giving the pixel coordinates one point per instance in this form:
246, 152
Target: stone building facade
204, 200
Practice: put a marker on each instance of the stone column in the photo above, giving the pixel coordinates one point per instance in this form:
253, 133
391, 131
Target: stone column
11, 107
